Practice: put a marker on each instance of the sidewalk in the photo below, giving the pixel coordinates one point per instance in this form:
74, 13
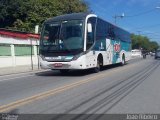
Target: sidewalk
18, 69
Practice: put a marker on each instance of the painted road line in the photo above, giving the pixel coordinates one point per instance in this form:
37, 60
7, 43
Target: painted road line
15, 78
27, 100
25, 75
24, 72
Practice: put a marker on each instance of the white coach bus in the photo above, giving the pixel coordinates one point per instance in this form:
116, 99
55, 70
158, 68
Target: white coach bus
82, 41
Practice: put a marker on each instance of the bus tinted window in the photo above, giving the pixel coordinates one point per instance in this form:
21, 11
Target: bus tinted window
91, 34
101, 29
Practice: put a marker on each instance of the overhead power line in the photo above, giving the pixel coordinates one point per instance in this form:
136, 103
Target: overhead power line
142, 13
150, 34
150, 26
101, 8
155, 38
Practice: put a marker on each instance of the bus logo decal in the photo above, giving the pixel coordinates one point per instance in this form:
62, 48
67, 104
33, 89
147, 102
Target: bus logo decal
117, 47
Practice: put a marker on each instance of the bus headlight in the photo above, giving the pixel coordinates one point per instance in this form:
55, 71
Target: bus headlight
77, 56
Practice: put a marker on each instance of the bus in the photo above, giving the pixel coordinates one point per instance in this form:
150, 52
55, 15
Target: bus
82, 41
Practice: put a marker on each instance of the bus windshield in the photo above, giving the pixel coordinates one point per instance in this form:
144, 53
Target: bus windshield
62, 36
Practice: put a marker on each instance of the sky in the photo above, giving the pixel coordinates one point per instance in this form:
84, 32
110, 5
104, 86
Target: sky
140, 16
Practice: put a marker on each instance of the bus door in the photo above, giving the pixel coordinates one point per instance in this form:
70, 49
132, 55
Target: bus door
109, 51
90, 39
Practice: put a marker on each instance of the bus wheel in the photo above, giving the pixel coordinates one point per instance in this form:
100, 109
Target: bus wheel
65, 71
97, 68
123, 60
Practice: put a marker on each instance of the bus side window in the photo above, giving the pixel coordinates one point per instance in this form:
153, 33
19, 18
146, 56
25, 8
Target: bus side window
101, 30
111, 32
90, 32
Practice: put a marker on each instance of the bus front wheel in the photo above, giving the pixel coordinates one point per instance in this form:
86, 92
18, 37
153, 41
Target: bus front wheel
97, 68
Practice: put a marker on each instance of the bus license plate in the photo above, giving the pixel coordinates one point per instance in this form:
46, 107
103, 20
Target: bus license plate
58, 65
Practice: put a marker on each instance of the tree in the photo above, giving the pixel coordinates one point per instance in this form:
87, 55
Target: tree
153, 46
25, 14
143, 42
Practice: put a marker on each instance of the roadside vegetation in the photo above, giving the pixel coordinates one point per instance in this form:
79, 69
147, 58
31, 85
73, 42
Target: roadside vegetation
24, 15
143, 42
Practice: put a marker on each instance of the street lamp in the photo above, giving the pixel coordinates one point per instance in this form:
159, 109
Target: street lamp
118, 16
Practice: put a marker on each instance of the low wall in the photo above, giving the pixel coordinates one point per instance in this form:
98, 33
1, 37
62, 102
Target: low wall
9, 61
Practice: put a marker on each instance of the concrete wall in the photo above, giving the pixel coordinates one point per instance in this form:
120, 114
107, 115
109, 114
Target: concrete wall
10, 61
13, 60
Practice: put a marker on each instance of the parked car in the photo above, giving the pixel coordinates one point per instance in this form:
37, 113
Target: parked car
157, 54
152, 53
136, 53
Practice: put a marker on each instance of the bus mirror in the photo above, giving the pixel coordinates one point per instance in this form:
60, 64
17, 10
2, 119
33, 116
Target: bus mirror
89, 25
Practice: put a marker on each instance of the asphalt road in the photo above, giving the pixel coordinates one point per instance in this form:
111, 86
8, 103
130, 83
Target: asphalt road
133, 88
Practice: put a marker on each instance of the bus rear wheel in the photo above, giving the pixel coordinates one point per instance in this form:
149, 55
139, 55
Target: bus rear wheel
123, 60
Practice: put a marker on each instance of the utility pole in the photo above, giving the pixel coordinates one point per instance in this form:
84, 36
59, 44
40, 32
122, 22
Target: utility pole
31, 55
118, 16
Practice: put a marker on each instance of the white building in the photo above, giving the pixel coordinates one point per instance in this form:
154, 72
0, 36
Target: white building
15, 48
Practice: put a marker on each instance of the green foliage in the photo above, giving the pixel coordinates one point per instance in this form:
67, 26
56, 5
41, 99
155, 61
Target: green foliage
143, 42
25, 14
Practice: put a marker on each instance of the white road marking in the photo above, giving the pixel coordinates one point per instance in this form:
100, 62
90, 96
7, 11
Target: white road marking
19, 75
15, 78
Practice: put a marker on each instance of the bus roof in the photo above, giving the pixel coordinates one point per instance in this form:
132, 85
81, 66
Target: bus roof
68, 17
75, 16
82, 16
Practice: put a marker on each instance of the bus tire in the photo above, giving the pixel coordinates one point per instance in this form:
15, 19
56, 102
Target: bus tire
123, 60
65, 71
98, 67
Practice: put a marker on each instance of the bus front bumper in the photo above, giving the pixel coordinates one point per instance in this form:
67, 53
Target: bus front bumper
61, 65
